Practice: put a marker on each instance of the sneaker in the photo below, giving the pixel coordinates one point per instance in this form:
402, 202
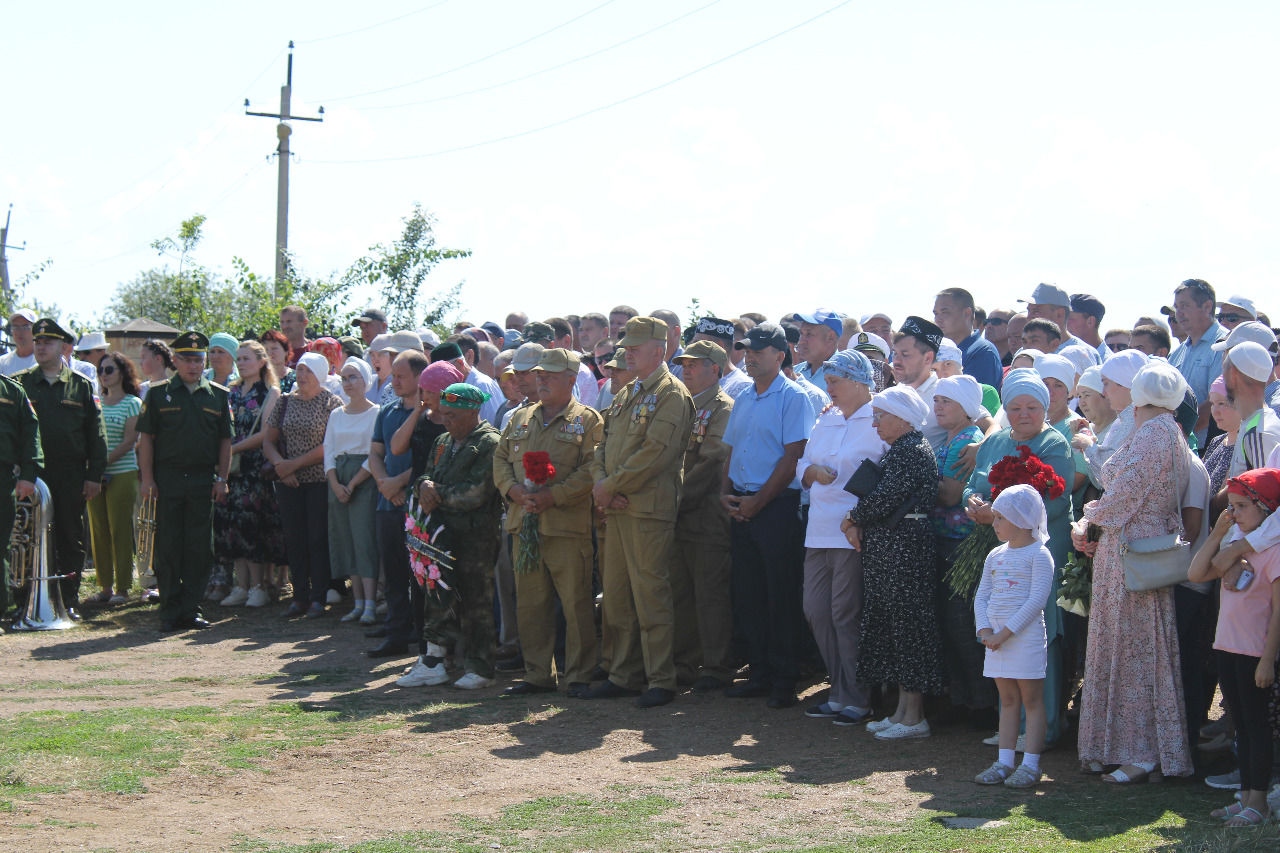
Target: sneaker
333, 597
316, 609
238, 596
878, 726
117, 600
1226, 782
294, 609
851, 716
257, 597
152, 594
421, 675
368, 617
900, 731
472, 681
825, 711
353, 615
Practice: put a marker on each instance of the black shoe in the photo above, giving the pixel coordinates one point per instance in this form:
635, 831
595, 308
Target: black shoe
607, 690
598, 674
708, 684
525, 688
388, 649
74, 613
197, 622
655, 696
376, 632
513, 664
782, 699
576, 689
168, 626
747, 690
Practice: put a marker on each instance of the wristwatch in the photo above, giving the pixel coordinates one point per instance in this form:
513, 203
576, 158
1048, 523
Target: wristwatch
218, 479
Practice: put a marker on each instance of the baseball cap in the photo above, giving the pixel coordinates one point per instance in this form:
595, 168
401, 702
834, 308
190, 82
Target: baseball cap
762, 336
1048, 294
495, 332
379, 342
1252, 331
558, 361
538, 333
370, 315
527, 356
705, 349
24, 312
401, 341
880, 314
512, 339
428, 339
1242, 302
640, 330
830, 319
1083, 303
1251, 359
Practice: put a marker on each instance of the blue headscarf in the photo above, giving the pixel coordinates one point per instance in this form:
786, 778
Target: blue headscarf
1024, 381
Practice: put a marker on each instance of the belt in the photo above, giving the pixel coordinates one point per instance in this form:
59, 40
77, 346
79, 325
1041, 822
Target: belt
743, 493
916, 515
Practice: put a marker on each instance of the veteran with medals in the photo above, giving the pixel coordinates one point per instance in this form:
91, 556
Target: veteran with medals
75, 447
552, 557
184, 456
638, 469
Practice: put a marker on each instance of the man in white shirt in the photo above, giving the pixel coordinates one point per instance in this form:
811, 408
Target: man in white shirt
914, 352
23, 354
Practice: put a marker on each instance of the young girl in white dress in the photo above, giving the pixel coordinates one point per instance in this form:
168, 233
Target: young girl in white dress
1008, 613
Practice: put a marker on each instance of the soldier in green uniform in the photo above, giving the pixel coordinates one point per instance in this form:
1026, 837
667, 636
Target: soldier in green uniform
458, 488
20, 449
638, 469
184, 455
568, 432
701, 569
75, 445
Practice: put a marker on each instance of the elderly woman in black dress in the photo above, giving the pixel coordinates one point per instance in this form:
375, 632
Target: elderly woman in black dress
899, 639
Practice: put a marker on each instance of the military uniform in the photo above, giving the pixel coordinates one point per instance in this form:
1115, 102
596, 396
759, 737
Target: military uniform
702, 568
20, 448
641, 458
564, 538
75, 444
471, 511
188, 429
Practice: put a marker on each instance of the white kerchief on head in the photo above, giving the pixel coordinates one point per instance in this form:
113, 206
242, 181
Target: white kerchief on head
903, 401
1123, 366
317, 364
366, 372
1024, 508
1158, 384
965, 390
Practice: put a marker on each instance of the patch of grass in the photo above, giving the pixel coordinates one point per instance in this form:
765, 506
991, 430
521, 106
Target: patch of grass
83, 685
58, 751
746, 774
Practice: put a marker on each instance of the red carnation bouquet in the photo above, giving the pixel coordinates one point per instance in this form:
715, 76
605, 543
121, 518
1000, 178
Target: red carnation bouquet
538, 471
1025, 469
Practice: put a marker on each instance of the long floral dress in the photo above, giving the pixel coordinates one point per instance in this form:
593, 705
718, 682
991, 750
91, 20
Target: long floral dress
1132, 708
246, 525
900, 642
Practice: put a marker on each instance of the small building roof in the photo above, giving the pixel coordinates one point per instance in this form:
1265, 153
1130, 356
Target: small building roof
141, 326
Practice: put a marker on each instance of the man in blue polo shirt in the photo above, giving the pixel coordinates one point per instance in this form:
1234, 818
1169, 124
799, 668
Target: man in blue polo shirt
766, 434
1196, 358
820, 332
953, 313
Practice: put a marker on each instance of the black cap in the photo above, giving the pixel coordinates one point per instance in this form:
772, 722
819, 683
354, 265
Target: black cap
47, 327
447, 351
189, 342
1083, 303
762, 336
370, 315
922, 330
792, 332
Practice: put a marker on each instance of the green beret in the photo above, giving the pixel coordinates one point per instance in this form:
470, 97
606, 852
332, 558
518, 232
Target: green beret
460, 395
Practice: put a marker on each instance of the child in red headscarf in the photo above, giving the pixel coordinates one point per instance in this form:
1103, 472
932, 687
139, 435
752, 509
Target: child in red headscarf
1248, 638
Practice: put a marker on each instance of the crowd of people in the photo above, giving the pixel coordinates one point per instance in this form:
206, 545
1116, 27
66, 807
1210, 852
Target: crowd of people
624, 506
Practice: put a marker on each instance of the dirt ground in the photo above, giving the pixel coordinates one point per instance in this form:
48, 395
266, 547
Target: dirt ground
433, 762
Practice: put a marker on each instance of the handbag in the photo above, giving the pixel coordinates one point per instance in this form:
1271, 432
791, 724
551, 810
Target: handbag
1155, 562
864, 480
267, 473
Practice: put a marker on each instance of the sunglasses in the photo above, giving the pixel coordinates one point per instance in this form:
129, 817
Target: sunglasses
996, 321
450, 397
107, 371
1117, 347
1233, 318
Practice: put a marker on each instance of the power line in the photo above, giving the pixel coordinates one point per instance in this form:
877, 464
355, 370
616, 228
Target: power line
374, 26
485, 58
598, 109
533, 74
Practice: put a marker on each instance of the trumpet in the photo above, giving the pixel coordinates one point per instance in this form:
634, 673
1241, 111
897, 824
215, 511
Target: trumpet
29, 561
145, 536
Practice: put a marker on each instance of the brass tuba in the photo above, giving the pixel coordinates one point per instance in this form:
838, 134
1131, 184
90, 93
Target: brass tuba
29, 564
145, 536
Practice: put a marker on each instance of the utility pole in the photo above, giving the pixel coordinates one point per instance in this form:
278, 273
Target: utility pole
4, 246
283, 130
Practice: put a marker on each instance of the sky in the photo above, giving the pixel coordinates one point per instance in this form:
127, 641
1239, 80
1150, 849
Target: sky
759, 156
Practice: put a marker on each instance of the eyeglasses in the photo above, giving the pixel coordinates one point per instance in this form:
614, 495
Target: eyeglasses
1117, 347
350, 377
995, 321
1233, 318
107, 371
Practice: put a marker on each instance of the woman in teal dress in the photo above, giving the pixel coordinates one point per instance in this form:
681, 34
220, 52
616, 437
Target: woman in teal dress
1026, 403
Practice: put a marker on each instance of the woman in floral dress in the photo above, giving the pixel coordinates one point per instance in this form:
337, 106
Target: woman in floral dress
247, 525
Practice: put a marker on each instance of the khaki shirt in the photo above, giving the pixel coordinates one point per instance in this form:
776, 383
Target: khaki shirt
702, 517
570, 440
642, 454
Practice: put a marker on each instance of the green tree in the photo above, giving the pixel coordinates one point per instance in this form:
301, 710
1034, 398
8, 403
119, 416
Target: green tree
401, 269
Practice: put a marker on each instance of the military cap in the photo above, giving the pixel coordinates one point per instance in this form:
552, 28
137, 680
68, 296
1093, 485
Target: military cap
47, 327
708, 350
527, 357
558, 361
460, 395
618, 361
447, 351
537, 333
189, 342
351, 346
641, 330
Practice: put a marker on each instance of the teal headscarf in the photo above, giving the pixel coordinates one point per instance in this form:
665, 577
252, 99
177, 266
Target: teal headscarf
1024, 381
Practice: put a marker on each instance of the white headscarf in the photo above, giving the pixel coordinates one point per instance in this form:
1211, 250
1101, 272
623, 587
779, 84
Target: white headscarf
1091, 378
903, 401
1051, 366
1123, 366
1158, 384
1024, 508
317, 364
965, 390
366, 372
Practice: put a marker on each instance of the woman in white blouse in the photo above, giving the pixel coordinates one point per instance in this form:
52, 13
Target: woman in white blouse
352, 495
841, 440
